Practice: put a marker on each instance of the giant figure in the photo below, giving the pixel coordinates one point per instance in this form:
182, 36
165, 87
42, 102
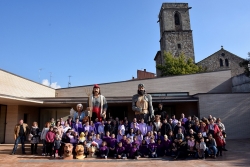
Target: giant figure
142, 104
97, 104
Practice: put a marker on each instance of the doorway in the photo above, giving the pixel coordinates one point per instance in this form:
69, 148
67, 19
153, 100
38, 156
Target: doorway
117, 111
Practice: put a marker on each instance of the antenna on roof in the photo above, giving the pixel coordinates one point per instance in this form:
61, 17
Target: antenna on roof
50, 79
69, 83
39, 75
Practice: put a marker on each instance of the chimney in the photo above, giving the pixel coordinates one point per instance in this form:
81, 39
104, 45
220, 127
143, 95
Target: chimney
144, 70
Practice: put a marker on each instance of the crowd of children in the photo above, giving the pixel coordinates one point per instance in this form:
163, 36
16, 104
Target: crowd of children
123, 139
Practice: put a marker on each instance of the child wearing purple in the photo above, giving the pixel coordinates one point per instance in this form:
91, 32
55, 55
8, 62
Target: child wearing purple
98, 140
92, 127
152, 148
86, 127
136, 142
143, 149
167, 145
133, 152
124, 140
120, 152
112, 145
143, 127
160, 148
107, 138
104, 150
127, 146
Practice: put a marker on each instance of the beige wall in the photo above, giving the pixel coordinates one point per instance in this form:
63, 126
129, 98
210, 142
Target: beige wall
14, 114
17, 86
11, 120
233, 109
196, 83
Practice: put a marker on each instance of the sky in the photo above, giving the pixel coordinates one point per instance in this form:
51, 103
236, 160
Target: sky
102, 41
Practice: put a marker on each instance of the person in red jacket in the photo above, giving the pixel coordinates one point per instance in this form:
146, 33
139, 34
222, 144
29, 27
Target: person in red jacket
50, 137
219, 141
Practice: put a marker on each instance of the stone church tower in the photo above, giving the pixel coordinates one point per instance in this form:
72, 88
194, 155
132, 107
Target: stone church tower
175, 32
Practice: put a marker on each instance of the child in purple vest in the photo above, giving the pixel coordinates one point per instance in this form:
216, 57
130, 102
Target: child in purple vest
160, 148
152, 148
133, 152
104, 150
112, 145
143, 149
136, 142
120, 152
107, 138
124, 140
128, 146
166, 145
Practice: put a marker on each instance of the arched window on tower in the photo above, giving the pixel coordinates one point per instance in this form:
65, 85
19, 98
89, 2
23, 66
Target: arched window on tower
221, 62
226, 62
177, 21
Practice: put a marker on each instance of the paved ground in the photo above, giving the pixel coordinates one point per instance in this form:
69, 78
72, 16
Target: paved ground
238, 155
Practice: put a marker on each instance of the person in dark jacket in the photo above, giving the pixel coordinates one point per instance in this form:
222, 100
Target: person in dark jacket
181, 149
109, 127
165, 127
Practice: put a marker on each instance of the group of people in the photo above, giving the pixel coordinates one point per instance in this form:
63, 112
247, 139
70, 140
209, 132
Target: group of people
149, 134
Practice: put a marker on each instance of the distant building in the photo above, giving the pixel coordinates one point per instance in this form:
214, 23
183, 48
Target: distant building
143, 74
222, 60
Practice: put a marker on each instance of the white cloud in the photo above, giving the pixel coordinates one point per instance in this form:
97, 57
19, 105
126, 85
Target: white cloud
53, 84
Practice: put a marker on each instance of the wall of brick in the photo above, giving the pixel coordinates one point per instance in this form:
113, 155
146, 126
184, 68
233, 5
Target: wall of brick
213, 82
233, 109
20, 87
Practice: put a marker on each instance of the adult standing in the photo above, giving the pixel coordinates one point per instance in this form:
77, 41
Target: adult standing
21, 130
34, 134
142, 104
161, 112
97, 104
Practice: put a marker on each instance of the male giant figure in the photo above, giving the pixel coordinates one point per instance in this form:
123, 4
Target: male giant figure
142, 104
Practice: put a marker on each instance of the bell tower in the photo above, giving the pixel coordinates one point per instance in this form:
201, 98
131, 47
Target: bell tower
175, 31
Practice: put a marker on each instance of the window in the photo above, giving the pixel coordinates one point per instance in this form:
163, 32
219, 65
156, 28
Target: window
221, 62
226, 62
179, 46
176, 19
222, 54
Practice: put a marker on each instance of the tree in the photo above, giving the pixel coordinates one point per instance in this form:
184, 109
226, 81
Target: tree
244, 64
178, 65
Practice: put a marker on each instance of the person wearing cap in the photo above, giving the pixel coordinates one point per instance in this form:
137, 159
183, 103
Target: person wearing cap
142, 104
97, 104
